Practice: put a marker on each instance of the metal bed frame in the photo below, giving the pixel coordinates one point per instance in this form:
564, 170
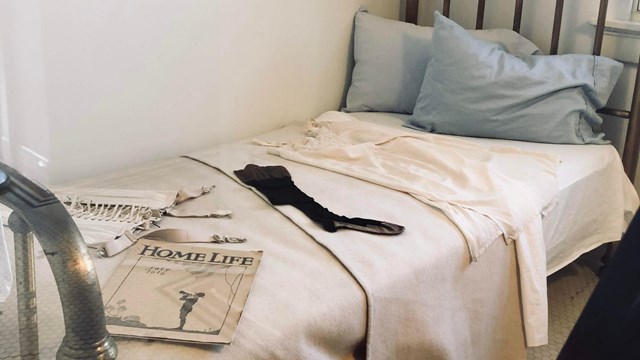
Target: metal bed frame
632, 140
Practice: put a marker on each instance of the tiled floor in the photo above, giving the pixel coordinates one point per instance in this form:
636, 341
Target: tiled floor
568, 291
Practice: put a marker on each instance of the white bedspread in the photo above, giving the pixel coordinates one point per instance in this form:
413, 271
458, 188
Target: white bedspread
424, 294
518, 216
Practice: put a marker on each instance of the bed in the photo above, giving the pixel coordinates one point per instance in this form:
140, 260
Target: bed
465, 279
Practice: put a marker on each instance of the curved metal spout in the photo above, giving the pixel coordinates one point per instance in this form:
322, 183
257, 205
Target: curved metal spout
86, 336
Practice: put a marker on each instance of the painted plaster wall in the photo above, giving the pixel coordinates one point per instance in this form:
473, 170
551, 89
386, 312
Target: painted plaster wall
93, 86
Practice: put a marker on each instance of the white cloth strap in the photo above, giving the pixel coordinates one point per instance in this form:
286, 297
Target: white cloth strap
170, 235
6, 277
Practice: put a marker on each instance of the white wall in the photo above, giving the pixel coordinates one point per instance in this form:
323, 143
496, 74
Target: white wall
92, 86
25, 140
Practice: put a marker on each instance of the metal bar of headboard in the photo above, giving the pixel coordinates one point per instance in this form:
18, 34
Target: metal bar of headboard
517, 16
615, 112
557, 23
446, 8
411, 11
480, 14
602, 15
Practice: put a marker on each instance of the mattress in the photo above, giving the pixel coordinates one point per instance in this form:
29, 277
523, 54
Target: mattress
589, 208
310, 300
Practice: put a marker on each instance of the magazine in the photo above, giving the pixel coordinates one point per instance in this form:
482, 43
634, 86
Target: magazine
179, 292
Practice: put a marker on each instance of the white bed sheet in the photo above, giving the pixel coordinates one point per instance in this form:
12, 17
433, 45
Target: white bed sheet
579, 222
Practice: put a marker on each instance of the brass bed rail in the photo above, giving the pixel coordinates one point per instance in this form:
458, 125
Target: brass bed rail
631, 147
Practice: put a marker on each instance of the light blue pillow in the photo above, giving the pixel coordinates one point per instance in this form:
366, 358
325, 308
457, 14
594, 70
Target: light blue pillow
391, 57
474, 88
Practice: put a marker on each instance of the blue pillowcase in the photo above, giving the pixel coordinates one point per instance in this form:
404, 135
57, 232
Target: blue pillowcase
391, 57
474, 88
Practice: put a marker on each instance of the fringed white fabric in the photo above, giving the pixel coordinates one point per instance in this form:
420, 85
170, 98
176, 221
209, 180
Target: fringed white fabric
109, 218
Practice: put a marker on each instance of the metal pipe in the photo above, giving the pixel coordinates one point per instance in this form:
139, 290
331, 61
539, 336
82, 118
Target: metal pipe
86, 336
25, 287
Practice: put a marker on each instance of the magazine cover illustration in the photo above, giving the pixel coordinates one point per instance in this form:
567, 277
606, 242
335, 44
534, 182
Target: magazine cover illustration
179, 292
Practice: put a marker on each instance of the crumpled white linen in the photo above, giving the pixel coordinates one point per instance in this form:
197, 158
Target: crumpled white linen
485, 191
423, 295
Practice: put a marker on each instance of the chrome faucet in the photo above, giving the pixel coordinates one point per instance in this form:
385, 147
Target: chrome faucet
37, 210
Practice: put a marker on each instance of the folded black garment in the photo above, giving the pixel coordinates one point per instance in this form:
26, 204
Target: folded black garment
275, 183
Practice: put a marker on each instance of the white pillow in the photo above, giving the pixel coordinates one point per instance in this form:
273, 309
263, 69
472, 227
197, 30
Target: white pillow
391, 57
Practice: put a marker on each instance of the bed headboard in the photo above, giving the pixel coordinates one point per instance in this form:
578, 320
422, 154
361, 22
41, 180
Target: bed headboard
632, 140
